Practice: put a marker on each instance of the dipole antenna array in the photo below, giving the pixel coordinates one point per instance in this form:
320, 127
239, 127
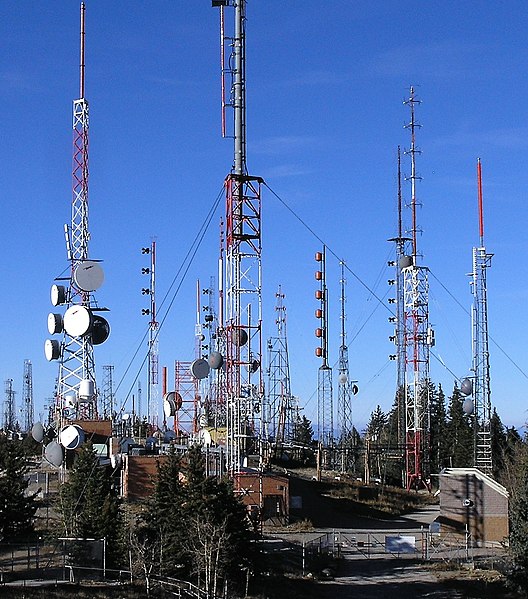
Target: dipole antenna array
27, 396
279, 409
481, 365
153, 399
419, 338
242, 316
325, 408
82, 325
402, 259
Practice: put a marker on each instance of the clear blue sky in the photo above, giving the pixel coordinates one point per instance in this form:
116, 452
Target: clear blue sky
325, 86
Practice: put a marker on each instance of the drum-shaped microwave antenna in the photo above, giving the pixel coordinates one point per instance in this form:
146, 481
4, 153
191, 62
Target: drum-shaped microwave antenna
78, 321
468, 406
466, 387
71, 436
37, 432
58, 295
55, 324
216, 360
200, 369
52, 349
100, 329
88, 276
54, 453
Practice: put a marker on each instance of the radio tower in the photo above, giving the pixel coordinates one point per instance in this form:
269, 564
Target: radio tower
108, 397
9, 406
82, 327
345, 390
325, 407
418, 339
481, 367
153, 345
280, 408
243, 268
402, 260
27, 396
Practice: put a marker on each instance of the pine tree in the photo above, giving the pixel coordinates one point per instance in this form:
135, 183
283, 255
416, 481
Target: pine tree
459, 433
438, 430
519, 518
90, 507
17, 508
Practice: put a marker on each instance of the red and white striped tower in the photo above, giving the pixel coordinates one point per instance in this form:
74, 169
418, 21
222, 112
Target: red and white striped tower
418, 338
82, 327
242, 318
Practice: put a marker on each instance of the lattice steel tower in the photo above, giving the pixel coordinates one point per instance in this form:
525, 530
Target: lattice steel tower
325, 406
27, 396
243, 268
9, 406
418, 337
280, 405
481, 366
346, 388
82, 327
108, 396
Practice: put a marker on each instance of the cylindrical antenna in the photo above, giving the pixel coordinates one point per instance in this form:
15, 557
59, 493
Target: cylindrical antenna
400, 228
81, 78
480, 204
222, 67
239, 88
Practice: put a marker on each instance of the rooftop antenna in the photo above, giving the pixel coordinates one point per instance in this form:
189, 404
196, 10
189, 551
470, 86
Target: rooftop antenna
81, 325
481, 366
419, 337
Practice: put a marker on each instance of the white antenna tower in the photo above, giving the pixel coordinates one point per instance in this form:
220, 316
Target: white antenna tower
481, 365
242, 317
82, 327
27, 396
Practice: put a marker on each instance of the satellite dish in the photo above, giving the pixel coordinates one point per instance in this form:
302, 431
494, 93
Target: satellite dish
466, 387
240, 337
78, 321
58, 295
200, 369
100, 329
216, 360
37, 432
172, 402
88, 276
468, 406
71, 436
55, 324
52, 349
54, 453
355, 389
343, 378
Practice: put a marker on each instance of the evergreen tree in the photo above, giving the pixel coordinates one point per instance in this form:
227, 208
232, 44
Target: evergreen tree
459, 433
194, 526
438, 430
498, 444
90, 507
303, 435
17, 508
519, 518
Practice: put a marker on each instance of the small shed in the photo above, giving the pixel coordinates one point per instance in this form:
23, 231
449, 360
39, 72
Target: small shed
266, 495
471, 500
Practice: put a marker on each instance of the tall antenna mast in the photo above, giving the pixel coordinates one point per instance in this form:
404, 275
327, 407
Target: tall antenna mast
419, 337
27, 396
81, 325
483, 458
242, 317
402, 259
153, 344
325, 406
346, 388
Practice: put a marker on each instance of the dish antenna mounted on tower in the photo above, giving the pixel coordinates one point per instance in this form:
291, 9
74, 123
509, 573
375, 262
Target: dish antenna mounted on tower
81, 324
241, 322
